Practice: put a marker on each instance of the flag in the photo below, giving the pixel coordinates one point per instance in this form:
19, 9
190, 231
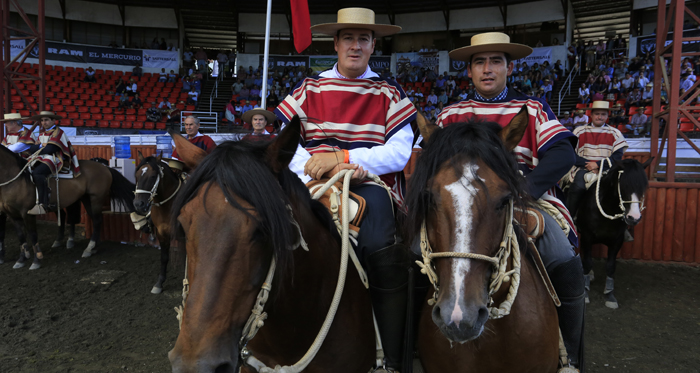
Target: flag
301, 24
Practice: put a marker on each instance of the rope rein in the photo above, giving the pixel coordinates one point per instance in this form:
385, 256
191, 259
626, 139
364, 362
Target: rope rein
619, 193
29, 162
509, 246
153, 191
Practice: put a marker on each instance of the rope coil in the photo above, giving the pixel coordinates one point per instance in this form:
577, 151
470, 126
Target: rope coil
619, 193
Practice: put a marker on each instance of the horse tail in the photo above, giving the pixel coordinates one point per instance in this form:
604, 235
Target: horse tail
122, 190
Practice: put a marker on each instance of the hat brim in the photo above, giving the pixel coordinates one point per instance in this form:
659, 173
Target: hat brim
13, 120
38, 117
248, 115
175, 163
515, 51
333, 28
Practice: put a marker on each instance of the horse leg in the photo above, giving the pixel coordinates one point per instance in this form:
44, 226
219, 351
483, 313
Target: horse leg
61, 232
164, 258
588, 276
3, 220
95, 210
72, 218
608, 293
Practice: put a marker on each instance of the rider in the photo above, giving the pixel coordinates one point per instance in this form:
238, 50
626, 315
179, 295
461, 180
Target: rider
544, 154
354, 119
57, 153
596, 141
17, 138
259, 119
202, 141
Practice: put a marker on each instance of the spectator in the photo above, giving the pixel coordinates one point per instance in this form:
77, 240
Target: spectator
686, 82
201, 57
247, 106
120, 87
614, 86
237, 87
272, 100
163, 45
232, 62
638, 123
172, 77
163, 76
432, 98
90, 75
123, 102
633, 98
547, 88
442, 99
627, 83
584, 94
186, 84
598, 89
255, 93
136, 102
187, 58
230, 112
222, 59
137, 71
155, 44
617, 116
131, 88
567, 121
164, 104
244, 93
647, 95
197, 84
581, 119
440, 82
590, 55
192, 96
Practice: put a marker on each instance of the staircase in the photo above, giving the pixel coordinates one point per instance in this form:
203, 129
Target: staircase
221, 96
596, 18
569, 101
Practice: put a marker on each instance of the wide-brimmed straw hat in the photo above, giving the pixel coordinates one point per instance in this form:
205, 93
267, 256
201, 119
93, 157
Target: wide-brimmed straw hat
600, 105
248, 115
45, 114
175, 164
491, 42
362, 18
12, 117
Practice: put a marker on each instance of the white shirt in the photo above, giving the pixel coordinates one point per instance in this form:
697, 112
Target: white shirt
379, 160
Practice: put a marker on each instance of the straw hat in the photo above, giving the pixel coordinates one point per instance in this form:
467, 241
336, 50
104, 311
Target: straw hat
45, 114
175, 164
491, 42
650, 85
248, 115
600, 105
362, 18
579, 111
12, 117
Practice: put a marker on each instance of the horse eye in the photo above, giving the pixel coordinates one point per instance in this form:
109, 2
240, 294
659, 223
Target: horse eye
503, 203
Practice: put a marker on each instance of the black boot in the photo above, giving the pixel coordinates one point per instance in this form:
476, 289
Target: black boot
567, 279
42, 187
387, 270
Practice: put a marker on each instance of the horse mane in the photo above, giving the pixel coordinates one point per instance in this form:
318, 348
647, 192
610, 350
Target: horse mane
21, 162
633, 180
471, 140
238, 168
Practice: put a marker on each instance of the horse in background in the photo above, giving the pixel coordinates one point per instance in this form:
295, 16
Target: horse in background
156, 187
241, 208
464, 185
620, 196
92, 188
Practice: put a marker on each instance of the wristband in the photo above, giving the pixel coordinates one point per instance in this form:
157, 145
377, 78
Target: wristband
347, 156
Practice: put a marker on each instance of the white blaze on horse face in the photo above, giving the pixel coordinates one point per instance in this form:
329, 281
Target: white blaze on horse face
143, 171
635, 211
463, 193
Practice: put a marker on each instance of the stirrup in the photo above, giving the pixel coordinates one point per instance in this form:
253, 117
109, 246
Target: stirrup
37, 210
568, 369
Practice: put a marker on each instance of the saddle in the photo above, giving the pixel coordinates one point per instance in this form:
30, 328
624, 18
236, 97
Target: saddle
333, 198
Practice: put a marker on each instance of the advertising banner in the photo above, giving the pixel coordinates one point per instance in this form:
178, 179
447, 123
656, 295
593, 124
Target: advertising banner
427, 60
62, 52
647, 44
160, 59
380, 63
538, 56
322, 63
113, 56
16, 47
280, 62
457, 66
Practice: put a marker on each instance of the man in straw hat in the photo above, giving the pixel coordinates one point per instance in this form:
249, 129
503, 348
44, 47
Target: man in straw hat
259, 119
194, 136
57, 153
17, 138
596, 141
354, 119
544, 154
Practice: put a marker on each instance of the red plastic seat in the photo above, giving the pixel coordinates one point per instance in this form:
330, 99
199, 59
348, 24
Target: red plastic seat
83, 109
120, 117
71, 109
73, 96
137, 125
78, 123
149, 125
18, 105
102, 104
74, 115
127, 125
61, 95
130, 118
108, 116
103, 124
115, 124
160, 125
85, 116
95, 110
130, 111
107, 110
79, 103
90, 123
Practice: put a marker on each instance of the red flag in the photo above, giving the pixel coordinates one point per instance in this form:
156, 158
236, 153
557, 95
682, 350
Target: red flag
301, 24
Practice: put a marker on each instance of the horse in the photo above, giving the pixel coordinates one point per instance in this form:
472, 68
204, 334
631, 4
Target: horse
92, 187
241, 208
606, 211
464, 185
156, 187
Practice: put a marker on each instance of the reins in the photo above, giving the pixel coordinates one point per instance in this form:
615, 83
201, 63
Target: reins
619, 193
153, 192
22, 170
509, 246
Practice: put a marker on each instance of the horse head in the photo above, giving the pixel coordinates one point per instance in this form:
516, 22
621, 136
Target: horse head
463, 186
234, 214
148, 176
633, 185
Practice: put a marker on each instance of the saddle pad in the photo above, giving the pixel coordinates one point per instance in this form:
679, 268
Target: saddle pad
65, 174
333, 197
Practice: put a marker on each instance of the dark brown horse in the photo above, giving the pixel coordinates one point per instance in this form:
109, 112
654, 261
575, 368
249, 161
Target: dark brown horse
93, 187
236, 213
463, 186
156, 187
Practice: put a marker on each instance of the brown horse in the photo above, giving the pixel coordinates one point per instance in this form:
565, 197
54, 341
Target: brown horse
463, 187
237, 212
156, 187
93, 187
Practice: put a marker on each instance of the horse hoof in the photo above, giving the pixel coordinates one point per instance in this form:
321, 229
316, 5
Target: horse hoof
612, 305
591, 275
56, 244
87, 254
18, 265
70, 244
156, 290
34, 266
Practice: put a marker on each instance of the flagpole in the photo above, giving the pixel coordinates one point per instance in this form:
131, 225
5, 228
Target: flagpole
263, 89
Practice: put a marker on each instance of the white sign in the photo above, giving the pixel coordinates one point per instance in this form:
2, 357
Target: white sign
538, 56
161, 59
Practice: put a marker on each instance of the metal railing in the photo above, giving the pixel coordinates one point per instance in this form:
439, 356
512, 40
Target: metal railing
207, 119
566, 86
214, 94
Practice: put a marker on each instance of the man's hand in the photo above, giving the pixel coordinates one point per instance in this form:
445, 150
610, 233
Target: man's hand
591, 166
320, 163
359, 175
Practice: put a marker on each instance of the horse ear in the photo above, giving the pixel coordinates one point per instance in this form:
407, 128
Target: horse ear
426, 128
648, 162
160, 156
191, 155
281, 151
140, 156
514, 131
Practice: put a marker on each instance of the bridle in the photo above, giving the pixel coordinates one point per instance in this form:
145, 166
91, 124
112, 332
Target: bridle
619, 193
509, 245
153, 192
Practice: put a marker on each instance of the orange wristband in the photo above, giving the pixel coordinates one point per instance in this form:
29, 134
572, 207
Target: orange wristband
347, 156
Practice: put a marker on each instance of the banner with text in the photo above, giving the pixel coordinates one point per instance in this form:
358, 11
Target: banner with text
279, 63
62, 52
16, 47
160, 59
427, 60
647, 44
380, 63
538, 56
322, 63
113, 56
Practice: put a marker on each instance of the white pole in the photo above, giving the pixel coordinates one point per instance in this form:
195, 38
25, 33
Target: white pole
263, 89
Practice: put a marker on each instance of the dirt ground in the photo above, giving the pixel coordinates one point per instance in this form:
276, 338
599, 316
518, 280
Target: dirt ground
51, 320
